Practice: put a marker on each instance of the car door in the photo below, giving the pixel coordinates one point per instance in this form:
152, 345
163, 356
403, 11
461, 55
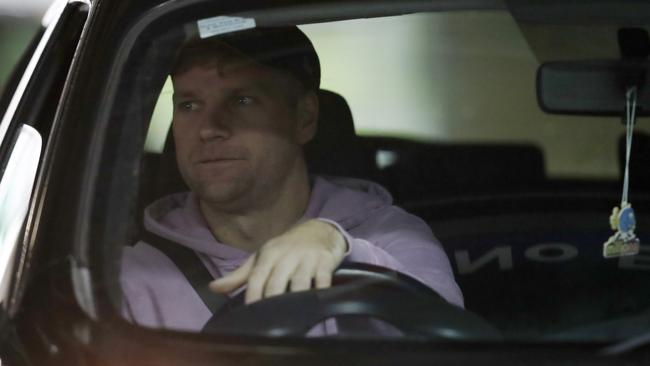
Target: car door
28, 118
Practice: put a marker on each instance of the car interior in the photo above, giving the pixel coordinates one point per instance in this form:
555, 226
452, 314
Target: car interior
514, 129
488, 219
526, 247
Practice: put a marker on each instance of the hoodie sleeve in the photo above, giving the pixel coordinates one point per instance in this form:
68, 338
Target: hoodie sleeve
403, 242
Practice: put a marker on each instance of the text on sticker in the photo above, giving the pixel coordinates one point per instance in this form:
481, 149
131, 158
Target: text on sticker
223, 24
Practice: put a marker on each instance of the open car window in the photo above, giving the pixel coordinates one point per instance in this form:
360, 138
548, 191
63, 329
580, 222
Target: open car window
438, 108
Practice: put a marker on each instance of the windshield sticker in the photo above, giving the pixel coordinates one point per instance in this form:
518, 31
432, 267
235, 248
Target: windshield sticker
223, 24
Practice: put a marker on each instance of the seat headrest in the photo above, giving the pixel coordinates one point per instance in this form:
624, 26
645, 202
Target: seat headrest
336, 149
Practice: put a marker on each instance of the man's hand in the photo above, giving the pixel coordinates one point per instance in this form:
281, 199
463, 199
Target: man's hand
307, 252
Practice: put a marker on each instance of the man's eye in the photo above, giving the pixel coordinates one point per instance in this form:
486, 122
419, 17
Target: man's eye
243, 100
188, 106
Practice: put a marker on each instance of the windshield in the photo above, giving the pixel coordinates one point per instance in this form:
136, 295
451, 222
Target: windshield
414, 143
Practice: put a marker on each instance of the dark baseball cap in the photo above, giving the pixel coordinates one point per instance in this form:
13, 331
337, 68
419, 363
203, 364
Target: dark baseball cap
283, 48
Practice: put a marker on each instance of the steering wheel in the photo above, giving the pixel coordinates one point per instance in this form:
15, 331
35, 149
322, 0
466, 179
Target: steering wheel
357, 289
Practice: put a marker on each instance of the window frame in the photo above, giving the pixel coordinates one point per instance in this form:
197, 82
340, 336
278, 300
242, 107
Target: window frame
98, 261
39, 86
91, 254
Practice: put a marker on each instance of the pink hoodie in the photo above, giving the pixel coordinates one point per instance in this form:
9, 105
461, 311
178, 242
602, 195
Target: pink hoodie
156, 294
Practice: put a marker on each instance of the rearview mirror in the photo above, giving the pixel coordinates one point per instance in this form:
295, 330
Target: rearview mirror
592, 87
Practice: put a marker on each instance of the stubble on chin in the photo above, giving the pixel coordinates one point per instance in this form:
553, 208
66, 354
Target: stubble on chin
224, 195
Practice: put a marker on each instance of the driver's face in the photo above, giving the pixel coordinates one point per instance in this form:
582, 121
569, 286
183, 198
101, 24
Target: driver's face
238, 134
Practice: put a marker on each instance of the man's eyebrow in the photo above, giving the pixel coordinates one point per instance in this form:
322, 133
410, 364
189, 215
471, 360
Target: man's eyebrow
251, 86
254, 85
181, 94
260, 86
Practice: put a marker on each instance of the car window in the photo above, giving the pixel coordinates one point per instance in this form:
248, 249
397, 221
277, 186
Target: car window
437, 113
440, 109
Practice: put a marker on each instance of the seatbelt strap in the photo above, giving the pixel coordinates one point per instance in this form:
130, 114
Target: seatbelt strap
189, 263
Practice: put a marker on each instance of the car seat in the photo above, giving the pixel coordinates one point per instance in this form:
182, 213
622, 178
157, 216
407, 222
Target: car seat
532, 265
430, 171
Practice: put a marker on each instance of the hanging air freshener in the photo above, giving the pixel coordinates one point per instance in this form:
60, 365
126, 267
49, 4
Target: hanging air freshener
622, 220
624, 241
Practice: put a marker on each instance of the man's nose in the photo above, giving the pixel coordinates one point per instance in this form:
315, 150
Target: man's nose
216, 124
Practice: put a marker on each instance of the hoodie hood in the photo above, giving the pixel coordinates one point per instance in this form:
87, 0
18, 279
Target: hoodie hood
347, 201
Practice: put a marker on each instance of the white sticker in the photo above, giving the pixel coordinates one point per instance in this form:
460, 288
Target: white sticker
223, 24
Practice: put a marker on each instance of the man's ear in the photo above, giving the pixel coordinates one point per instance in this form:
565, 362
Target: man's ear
307, 110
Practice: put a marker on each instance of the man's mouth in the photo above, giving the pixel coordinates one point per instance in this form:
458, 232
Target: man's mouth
218, 160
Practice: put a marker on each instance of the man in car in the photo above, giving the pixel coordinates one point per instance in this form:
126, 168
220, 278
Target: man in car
244, 105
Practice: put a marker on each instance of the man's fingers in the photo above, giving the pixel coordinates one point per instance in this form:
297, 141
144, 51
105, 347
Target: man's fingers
278, 280
303, 275
324, 273
235, 279
257, 280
